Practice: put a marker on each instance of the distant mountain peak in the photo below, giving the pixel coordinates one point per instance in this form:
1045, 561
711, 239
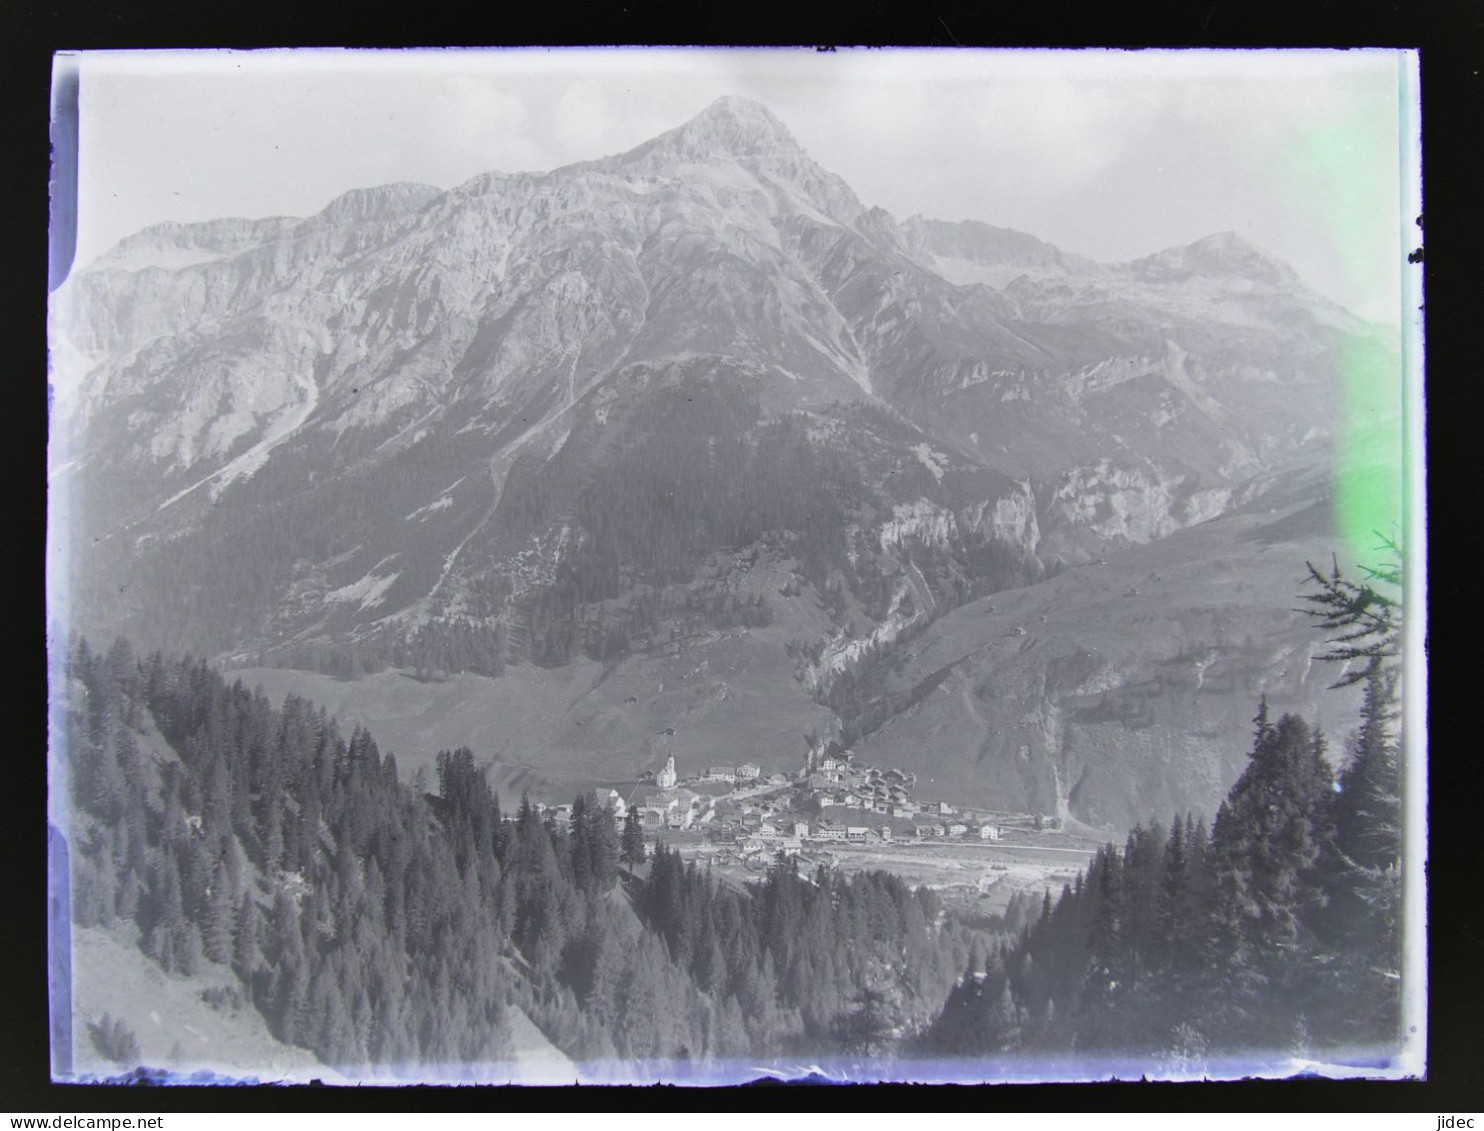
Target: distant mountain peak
731, 126
744, 113
1221, 253
1231, 246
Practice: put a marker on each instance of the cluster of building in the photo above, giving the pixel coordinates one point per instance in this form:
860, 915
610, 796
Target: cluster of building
678, 803
738, 775
834, 798
837, 779
751, 818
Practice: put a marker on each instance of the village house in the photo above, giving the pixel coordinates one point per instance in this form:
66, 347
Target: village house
610, 799
801, 829
747, 771
990, 832
925, 830
720, 773
856, 832
828, 830
768, 829
956, 828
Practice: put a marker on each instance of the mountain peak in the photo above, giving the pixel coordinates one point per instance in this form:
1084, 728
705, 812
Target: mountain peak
736, 108
1227, 244
1219, 254
731, 126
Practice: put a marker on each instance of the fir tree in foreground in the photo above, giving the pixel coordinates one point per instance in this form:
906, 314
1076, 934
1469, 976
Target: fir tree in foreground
1362, 621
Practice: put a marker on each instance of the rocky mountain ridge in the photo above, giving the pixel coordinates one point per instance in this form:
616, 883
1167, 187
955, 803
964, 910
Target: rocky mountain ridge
513, 422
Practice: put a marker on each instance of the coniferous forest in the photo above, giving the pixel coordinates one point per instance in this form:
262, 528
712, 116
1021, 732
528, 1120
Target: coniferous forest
389, 927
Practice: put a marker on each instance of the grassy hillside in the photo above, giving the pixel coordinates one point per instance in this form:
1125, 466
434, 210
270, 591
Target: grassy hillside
173, 1016
728, 696
1120, 690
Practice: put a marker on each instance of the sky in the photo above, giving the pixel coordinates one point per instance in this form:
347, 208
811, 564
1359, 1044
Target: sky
1110, 154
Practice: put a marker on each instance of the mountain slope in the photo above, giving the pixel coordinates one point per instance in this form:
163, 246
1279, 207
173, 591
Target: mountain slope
524, 420
1118, 691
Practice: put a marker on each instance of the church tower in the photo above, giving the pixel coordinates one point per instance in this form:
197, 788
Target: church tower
665, 779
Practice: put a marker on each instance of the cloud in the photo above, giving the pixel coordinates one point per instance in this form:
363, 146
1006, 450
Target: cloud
473, 125
581, 119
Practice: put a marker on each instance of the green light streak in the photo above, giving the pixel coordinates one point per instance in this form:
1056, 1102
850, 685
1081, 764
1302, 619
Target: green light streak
1344, 174
1369, 464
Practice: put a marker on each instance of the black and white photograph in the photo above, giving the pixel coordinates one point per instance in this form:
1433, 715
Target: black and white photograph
633, 565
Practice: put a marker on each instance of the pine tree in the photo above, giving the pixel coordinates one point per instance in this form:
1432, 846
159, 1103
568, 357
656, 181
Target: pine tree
1104, 987
247, 958
581, 844
1004, 1020
633, 839
1268, 843
1368, 809
602, 847
220, 923
1362, 625
115, 1041
1178, 919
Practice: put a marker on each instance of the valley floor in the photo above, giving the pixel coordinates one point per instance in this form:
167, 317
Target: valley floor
973, 878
